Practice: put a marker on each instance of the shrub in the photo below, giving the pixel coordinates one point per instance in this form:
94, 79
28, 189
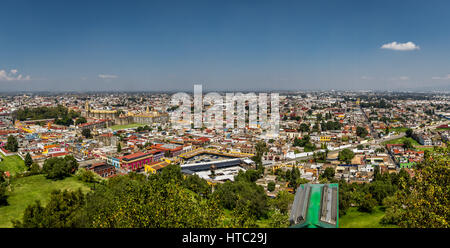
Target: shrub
87, 176
271, 186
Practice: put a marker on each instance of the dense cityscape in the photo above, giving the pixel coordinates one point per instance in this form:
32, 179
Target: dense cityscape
94, 140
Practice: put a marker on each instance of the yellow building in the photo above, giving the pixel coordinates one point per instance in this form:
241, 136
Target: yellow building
154, 168
325, 138
149, 117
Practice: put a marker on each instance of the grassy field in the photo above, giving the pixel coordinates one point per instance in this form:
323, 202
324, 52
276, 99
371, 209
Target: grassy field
401, 140
425, 148
133, 125
26, 190
13, 164
356, 219
398, 129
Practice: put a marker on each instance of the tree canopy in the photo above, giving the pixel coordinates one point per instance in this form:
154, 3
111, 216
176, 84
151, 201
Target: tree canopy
11, 144
59, 168
62, 115
423, 202
361, 132
346, 156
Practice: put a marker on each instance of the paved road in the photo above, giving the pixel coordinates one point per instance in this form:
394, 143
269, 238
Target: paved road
372, 131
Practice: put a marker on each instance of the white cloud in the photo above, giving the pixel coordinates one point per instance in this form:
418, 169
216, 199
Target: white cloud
408, 46
107, 76
401, 78
13, 76
442, 78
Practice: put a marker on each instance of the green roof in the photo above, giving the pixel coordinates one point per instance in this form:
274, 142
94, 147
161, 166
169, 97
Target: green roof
409, 164
315, 206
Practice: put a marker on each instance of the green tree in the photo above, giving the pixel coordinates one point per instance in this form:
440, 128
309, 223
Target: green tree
304, 127
248, 175
278, 219
86, 133
380, 190
230, 193
12, 145
271, 186
361, 132
129, 202
294, 177
345, 197
242, 217
302, 142
260, 148
423, 202
28, 160
320, 157
309, 147
408, 144
409, 132
80, 120
171, 173
197, 185
282, 201
59, 168
119, 147
62, 115
35, 169
328, 174
64, 210
367, 203
87, 176
376, 173
346, 156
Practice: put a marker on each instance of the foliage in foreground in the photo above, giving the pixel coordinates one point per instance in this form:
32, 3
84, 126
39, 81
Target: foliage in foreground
424, 202
63, 211
124, 201
167, 199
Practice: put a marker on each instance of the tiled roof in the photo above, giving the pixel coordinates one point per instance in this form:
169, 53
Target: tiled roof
135, 156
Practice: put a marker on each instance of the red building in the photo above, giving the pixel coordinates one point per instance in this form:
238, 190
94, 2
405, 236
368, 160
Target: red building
102, 169
136, 161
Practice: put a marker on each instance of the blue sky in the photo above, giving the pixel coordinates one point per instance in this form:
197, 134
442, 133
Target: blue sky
230, 45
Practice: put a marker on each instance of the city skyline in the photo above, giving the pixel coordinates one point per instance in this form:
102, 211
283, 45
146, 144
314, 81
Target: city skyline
238, 45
